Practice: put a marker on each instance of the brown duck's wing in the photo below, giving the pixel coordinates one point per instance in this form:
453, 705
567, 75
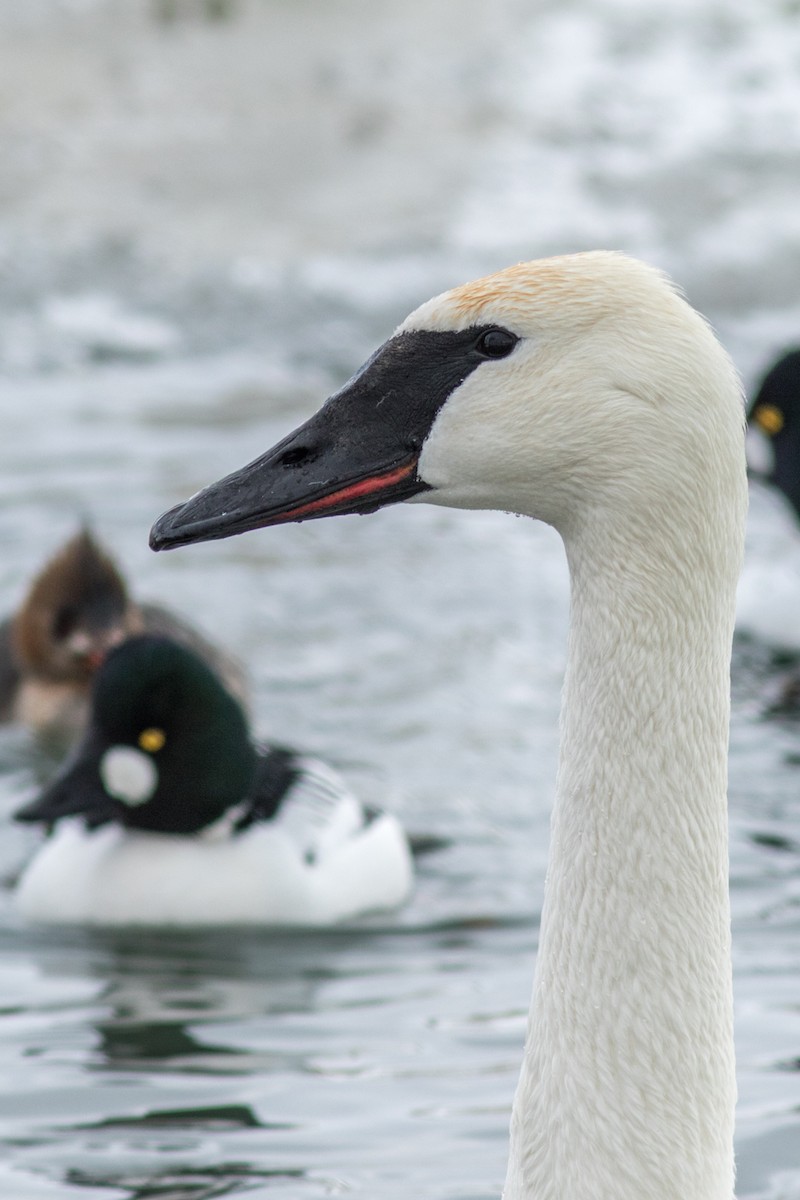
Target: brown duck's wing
9, 671
160, 620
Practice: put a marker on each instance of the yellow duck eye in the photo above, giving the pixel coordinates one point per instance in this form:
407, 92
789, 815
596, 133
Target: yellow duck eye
769, 418
152, 740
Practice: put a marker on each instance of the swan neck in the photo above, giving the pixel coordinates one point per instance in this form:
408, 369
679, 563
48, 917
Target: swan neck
627, 1088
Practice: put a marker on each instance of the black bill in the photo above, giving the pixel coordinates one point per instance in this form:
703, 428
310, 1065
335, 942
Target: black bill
357, 454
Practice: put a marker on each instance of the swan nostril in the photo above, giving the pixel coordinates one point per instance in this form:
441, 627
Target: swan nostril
296, 455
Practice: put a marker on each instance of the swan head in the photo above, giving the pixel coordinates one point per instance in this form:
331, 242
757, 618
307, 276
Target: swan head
559, 388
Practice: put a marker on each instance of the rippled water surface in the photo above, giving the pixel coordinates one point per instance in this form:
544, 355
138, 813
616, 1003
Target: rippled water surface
210, 212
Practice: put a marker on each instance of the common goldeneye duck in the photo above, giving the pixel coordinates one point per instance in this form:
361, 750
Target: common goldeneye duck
76, 610
169, 814
769, 588
774, 417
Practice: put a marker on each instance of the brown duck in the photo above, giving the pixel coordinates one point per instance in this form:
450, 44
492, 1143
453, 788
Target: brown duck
76, 610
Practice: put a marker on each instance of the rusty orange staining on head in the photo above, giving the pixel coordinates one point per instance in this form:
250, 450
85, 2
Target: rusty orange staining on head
573, 289
521, 281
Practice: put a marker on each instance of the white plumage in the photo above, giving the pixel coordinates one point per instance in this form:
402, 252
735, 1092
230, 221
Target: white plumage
583, 391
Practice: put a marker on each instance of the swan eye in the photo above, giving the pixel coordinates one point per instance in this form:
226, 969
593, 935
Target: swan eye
496, 343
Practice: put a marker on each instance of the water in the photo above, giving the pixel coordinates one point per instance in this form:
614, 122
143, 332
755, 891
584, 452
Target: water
209, 214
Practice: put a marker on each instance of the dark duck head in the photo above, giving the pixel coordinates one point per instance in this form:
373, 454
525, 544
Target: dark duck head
775, 414
167, 747
76, 610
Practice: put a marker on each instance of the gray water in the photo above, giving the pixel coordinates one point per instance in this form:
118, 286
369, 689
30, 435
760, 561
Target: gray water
210, 213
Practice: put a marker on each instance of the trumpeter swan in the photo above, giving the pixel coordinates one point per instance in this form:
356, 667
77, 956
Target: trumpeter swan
169, 813
583, 390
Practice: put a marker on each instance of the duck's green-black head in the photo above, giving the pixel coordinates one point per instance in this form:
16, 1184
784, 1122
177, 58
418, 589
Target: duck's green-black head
775, 412
167, 748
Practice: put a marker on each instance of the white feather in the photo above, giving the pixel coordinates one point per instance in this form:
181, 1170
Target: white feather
129, 774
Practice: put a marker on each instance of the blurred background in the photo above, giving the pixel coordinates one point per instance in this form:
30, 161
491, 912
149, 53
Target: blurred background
211, 211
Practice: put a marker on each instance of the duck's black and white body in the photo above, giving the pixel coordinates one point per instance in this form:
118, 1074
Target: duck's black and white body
584, 391
169, 814
77, 609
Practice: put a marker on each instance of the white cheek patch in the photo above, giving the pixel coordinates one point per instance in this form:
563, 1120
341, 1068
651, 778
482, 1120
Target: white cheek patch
128, 774
759, 451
